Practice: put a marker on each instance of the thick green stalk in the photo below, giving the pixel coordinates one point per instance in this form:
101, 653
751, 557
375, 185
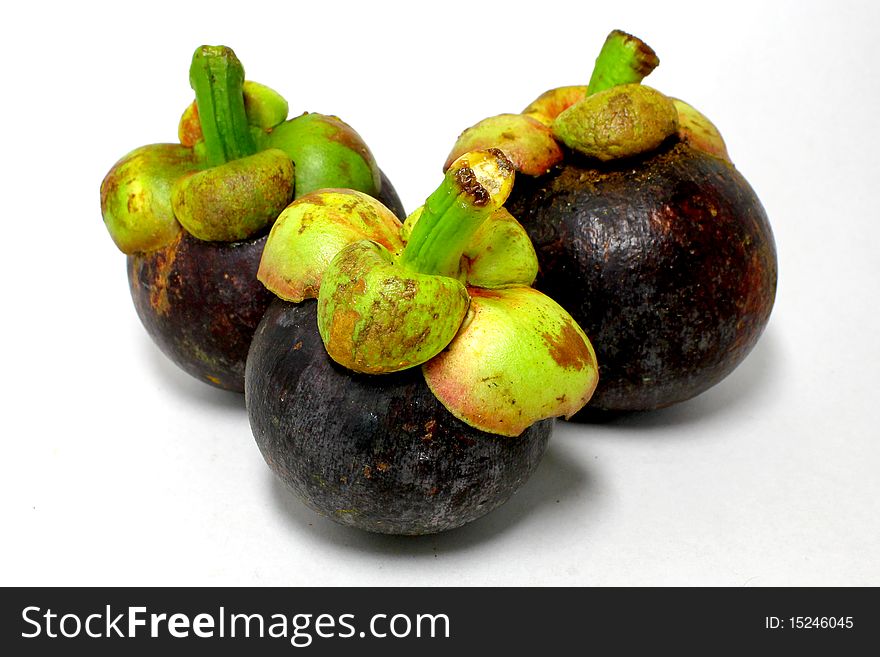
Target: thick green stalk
624, 59
475, 186
217, 76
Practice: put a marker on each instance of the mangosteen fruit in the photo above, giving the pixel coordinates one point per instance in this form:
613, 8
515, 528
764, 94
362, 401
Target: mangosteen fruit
406, 379
644, 229
193, 217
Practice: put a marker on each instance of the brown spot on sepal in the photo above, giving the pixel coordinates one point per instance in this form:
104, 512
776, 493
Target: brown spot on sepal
349, 138
568, 348
342, 331
189, 132
485, 292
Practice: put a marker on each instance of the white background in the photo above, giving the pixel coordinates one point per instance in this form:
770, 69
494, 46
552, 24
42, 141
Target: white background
119, 469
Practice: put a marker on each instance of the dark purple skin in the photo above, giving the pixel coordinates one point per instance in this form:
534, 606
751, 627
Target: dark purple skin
201, 301
375, 452
389, 198
666, 261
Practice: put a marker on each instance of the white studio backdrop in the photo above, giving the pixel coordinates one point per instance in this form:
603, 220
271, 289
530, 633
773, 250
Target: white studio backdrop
119, 469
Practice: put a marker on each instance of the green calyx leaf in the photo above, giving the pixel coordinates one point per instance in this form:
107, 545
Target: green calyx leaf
550, 104
328, 154
393, 296
619, 122
526, 141
618, 118
475, 185
699, 132
310, 232
248, 184
214, 184
189, 128
376, 317
499, 254
610, 118
136, 196
265, 108
235, 200
518, 358
380, 313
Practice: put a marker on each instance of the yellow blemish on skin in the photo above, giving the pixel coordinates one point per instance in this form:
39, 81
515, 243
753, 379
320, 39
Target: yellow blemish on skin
164, 264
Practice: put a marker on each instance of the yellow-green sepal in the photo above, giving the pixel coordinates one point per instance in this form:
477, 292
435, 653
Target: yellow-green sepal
499, 254
622, 121
265, 108
328, 153
235, 200
189, 128
136, 196
518, 358
528, 143
310, 232
376, 317
696, 130
550, 104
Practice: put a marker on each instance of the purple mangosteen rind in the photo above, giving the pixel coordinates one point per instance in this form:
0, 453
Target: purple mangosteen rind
200, 302
379, 453
667, 262
644, 230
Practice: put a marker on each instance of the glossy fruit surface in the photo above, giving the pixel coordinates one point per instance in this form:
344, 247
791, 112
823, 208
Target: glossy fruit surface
667, 261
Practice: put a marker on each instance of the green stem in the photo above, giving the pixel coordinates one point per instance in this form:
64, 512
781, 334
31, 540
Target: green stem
475, 186
217, 77
624, 59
